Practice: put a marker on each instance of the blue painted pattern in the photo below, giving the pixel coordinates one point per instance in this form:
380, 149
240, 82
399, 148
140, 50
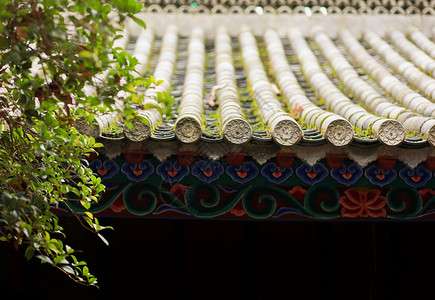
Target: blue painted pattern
276, 174
207, 171
415, 177
347, 175
379, 176
312, 175
138, 172
105, 170
172, 171
243, 173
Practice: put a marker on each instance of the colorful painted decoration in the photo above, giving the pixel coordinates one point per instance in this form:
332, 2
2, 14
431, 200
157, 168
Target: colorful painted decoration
206, 201
172, 171
105, 170
379, 176
312, 175
316, 192
266, 201
415, 177
405, 202
347, 175
207, 171
243, 173
363, 202
276, 174
138, 172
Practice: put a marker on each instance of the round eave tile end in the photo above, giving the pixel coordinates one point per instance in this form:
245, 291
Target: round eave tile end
287, 132
237, 131
92, 130
139, 132
188, 130
391, 133
431, 136
339, 133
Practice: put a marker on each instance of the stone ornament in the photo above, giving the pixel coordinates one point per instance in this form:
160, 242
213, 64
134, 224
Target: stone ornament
430, 135
297, 98
391, 132
139, 132
237, 131
100, 123
188, 127
335, 100
339, 133
93, 130
285, 131
188, 130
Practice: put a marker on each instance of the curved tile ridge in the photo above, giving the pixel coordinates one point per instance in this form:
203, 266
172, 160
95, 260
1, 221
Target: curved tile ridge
100, 122
398, 90
337, 130
335, 100
167, 58
235, 128
105, 120
411, 73
189, 124
422, 41
142, 50
418, 57
390, 132
284, 130
141, 130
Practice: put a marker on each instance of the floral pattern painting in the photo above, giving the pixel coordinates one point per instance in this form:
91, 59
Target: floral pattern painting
363, 202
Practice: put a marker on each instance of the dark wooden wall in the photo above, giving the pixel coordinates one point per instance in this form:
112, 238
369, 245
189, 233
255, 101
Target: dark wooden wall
197, 259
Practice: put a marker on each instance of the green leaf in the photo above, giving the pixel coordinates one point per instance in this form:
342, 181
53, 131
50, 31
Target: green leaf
60, 260
103, 239
29, 253
67, 269
45, 259
128, 124
85, 204
92, 280
139, 21
85, 54
89, 221
69, 250
42, 154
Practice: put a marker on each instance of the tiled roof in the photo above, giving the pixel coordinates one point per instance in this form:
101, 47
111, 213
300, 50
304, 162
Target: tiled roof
408, 7
237, 79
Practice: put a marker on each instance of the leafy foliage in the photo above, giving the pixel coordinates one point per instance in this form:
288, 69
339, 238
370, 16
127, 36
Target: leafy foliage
52, 53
